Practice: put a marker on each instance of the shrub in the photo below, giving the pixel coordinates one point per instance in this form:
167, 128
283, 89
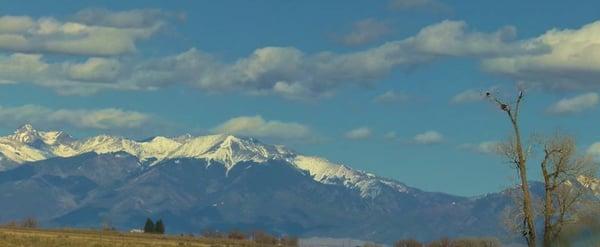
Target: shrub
465, 242
408, 243
212, 234
236, 234
477, 242
261, 237
289, 241
11, 223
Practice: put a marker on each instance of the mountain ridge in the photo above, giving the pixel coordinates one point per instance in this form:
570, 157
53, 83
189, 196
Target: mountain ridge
227, 149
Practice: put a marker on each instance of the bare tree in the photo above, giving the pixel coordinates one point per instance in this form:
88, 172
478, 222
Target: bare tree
566, 184
586, 229
29, 222
516, 153
567, 180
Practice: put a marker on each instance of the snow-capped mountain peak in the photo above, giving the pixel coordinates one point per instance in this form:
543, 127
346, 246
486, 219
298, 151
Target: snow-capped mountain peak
55, 137
29, 144
26, 134
229, 150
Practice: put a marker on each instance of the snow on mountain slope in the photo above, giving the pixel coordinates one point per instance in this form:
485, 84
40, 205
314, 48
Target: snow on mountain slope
591, 183
326, 172
157, 148
28, 144
25, 134
20, 152
229, 150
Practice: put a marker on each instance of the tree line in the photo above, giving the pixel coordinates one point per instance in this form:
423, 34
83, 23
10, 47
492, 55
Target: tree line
257, 236
156, 228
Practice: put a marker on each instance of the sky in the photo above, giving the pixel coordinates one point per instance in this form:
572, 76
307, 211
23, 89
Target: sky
393, 87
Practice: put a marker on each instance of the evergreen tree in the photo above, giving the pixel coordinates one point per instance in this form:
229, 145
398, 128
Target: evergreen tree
149, 226
159, 227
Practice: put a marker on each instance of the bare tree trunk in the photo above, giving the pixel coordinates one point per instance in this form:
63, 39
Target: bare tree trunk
528, 216
520, 160
548, 206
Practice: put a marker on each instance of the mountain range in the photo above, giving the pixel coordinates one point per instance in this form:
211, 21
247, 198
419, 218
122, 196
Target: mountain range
223, 182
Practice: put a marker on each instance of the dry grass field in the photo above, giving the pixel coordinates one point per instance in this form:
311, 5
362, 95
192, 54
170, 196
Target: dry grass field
24, 237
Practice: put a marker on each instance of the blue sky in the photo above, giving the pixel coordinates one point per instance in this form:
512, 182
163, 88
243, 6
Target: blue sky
391, 87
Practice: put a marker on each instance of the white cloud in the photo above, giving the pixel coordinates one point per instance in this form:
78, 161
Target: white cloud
256, 126
365, 31
82, 78
565, 59
105, 119
95, 69
391, 97
95, 37
468, 96
15, 24
282, 71
136, 18
2, 81
359, 133
571, 60
22, 66
390, 135
574, 105
452, 38
487, 147
594, 150
428, 137
291, 73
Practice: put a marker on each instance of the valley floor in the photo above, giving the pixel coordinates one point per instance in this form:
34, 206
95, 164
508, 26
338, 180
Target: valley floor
21, 237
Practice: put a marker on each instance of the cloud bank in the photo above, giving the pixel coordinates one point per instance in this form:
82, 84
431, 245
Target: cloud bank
99, 43
98, 119
283, 71
574, 105
572, 60
257, 126
93, 37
